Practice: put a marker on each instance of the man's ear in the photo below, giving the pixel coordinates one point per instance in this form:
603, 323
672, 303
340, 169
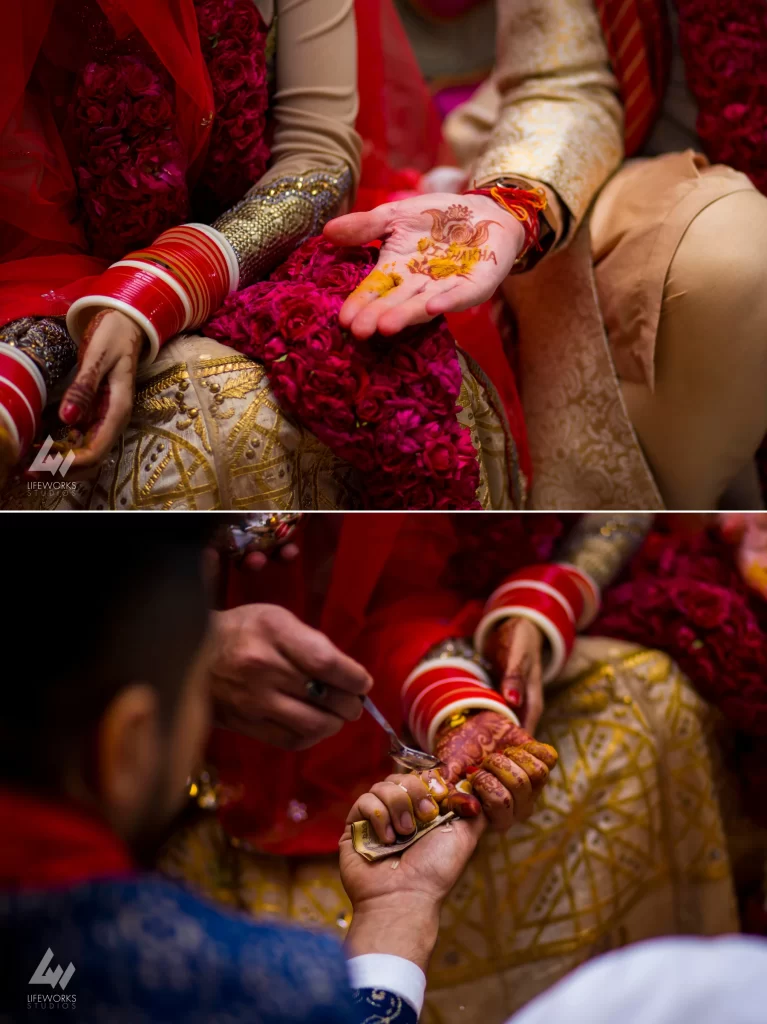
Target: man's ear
129, 755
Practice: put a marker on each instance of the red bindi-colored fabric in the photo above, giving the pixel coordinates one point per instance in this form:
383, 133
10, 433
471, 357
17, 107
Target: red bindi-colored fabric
48, 844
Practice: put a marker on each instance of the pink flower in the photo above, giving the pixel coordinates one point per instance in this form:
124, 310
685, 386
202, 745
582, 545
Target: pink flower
233, 39
141, 81
367, 401
725, 53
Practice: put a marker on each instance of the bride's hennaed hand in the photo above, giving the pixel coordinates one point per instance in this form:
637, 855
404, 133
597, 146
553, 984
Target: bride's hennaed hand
441, 253
515, 651
506, 766
99, 400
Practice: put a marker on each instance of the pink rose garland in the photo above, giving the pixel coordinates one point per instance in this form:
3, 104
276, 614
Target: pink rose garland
132, 174
724, 45
387, 407
233, 40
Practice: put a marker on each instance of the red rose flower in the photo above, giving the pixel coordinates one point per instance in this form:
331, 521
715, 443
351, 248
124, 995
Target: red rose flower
361, 399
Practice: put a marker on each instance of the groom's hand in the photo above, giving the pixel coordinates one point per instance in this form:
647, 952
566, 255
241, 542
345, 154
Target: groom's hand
397, 911
441, 253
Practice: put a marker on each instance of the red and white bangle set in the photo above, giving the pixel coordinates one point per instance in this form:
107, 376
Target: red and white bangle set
437, 689
22, 397
172, 286
560, 599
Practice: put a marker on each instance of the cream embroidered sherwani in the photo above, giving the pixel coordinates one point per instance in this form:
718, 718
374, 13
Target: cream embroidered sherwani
550, 114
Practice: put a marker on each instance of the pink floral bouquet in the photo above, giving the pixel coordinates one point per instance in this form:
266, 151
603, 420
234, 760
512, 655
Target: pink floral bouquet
386, 406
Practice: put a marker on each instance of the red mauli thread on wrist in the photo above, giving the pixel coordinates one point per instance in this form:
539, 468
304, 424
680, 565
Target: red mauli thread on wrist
523, 204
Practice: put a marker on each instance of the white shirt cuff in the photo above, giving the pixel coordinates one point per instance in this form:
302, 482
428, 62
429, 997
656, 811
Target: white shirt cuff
392, 973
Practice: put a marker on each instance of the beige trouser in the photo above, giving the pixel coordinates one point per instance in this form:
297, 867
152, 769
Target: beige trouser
680, 258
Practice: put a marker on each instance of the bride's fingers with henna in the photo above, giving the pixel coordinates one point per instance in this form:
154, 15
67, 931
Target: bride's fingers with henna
516, 780
100, 398
536, 770
496, 800
80, 397
110, 416
543, 751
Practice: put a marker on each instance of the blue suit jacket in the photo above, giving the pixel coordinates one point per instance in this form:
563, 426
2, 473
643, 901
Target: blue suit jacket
148, 950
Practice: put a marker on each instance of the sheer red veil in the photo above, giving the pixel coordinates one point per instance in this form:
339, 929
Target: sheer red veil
45, 262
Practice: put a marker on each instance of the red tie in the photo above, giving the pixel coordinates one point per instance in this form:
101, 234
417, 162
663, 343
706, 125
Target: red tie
636, 33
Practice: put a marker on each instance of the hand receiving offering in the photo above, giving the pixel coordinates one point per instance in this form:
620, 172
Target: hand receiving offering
441, 253
394, 808
396, 912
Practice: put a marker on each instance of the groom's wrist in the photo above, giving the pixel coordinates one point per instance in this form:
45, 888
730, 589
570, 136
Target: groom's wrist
402, 925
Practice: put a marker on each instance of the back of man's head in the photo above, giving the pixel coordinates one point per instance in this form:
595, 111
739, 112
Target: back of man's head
91, 606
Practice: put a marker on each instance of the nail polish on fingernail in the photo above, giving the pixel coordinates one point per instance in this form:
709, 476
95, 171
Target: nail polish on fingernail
407, 824
68, 412
389, 833
427, 806
514, 697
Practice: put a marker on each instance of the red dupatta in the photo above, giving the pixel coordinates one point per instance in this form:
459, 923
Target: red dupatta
46, 263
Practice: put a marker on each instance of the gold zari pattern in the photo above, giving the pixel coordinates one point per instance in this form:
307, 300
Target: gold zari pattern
558, 118
207, 433
602, 544
272, 220
627, 843
46, 341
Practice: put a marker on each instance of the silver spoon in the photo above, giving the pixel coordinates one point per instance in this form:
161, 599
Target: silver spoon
400, 752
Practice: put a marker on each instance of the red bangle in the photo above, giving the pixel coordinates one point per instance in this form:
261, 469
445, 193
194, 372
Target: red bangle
196, 262
553, 579
435, 690
590, 593
22, 397
523, 204
173, 285
546, 595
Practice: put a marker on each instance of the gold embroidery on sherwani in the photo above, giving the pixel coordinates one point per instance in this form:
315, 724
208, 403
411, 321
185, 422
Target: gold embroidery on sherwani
626, 843
584, 450
560, 117
207, 433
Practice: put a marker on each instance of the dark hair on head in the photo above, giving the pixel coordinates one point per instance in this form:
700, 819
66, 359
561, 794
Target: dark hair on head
90, 604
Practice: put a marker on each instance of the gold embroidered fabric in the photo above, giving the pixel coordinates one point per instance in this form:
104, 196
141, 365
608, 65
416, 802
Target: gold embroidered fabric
601, 544
584, 450
627, 843
207, 433
503, 485
558, 118
46, 341
315, 148
274, 219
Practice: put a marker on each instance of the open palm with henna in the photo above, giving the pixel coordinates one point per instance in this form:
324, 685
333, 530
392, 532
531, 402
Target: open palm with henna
507, 768
441, 253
